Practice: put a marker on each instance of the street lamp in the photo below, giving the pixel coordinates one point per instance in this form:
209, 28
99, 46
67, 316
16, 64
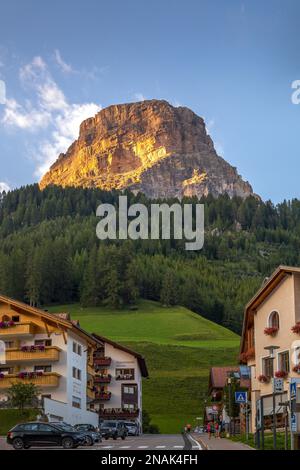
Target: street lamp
271, 350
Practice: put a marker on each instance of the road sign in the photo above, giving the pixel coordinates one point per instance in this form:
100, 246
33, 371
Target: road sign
278, 385
240, 397
293, 390
293, 422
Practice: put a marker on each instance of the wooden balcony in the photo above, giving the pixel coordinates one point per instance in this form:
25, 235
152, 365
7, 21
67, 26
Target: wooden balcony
102, 379
102, 361
48, 379
90, 370
103, 396
18, 329
49, 354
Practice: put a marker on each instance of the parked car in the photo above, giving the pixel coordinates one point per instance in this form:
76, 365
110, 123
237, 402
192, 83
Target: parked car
132, 428
113, 429
92, 434
89, 440
25, 435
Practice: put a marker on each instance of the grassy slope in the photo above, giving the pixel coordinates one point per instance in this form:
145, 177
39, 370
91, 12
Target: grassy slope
179, 347
9, 418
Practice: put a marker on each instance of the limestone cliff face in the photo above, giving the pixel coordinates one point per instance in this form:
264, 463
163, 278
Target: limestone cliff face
149, 146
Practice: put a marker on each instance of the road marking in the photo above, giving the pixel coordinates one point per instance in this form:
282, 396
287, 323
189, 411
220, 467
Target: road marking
160, 447
177, 447
106, 447
124, 447
143, 447
197, 446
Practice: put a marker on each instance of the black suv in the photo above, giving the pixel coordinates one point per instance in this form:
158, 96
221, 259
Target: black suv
113, 429
23, 436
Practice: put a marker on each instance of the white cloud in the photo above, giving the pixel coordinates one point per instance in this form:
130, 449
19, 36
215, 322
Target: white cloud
139, 96
52, 112
4, 187
66, 68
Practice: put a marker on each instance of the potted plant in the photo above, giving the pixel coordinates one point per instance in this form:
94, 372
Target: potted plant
296, 328
271, 331
281, 374
263, 378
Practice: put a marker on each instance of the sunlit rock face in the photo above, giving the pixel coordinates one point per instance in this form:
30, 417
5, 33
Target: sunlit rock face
149, 146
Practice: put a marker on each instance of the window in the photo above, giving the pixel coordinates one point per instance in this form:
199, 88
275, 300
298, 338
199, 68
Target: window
76, 373
15, 318
284, 361
77, 349
45, 428
6, 370
129, 406
274, 320
268, 368
43, 342
43, 368
9, 344
129, 390
76, 402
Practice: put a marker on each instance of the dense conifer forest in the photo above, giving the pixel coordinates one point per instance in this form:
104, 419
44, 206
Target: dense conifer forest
49, 253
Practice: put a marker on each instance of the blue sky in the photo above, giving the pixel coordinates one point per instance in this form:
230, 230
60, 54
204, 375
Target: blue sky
231, 61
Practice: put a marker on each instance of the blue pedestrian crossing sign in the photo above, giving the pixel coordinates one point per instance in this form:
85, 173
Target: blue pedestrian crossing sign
240, 397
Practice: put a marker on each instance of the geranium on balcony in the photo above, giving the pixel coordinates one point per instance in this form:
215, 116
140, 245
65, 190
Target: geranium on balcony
6, 324
33, 348
2, 375
271, 330
30, 375
296, 369
263, 378
281, 374
296, 328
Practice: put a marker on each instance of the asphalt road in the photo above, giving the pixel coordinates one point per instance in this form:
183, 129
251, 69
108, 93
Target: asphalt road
161, 442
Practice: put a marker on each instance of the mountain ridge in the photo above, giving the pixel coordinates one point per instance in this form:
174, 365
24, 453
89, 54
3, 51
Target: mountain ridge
150, 147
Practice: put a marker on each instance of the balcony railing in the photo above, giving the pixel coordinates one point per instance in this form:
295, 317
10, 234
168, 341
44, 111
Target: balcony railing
103, 396
102, 361
102, 379
17, 329
125, 377
47, 379
118, 413
48, 354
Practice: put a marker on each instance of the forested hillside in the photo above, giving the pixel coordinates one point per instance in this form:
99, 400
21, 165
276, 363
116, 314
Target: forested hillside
49, 253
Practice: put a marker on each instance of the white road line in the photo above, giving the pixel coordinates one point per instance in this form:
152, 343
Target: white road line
197, 446
143, 447
124, 447
177, 447
160, 447
106, 447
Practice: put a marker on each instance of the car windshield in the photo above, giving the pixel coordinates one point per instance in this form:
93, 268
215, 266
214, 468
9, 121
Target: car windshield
83, 427
130, 424
109, 424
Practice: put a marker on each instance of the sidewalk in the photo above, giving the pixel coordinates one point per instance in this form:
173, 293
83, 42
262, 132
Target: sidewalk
219, 444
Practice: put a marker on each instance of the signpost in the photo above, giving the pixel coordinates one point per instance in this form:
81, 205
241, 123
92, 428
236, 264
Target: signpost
242, 398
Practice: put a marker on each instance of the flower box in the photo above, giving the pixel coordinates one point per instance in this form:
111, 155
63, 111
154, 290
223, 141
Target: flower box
271, 331
296, 369
33, 348
263, 378
281, 374
6, 324
30, 375
296, 328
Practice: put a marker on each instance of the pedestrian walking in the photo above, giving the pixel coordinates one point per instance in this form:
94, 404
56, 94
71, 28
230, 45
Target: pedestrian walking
217, 428
208, 427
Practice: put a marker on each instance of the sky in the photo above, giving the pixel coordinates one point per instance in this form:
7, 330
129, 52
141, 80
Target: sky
233, 62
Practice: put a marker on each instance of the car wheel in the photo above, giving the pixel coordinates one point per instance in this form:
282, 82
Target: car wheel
68, 443
106, 438
18, 443
115, 437
89, 441
123, 438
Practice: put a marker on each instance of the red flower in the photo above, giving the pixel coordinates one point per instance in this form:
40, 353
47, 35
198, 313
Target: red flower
271, 331
281, 374
296, 328
297, 369
263, 378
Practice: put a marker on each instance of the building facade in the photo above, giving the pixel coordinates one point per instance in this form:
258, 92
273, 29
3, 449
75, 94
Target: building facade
270, 343
51, 352
118, 381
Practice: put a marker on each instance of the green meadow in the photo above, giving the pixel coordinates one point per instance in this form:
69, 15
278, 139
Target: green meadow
179, 347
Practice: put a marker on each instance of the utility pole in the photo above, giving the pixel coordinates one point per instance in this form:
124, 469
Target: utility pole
271, 350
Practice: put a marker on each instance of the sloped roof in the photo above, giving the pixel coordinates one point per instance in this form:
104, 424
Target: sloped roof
267, 287
139, 357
